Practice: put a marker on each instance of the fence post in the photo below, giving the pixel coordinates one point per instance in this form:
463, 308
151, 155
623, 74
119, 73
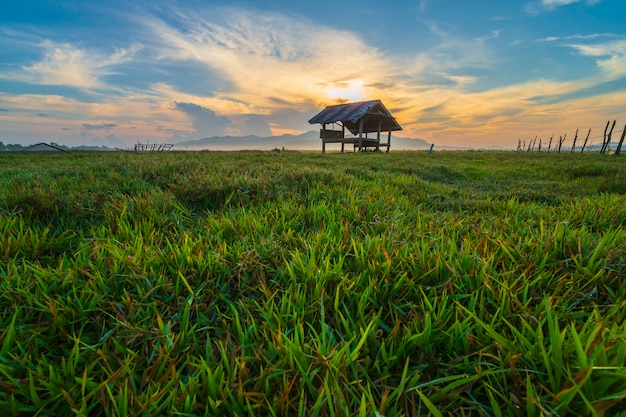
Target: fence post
621, 141
574, 145
604, 138
585, 144
608, 139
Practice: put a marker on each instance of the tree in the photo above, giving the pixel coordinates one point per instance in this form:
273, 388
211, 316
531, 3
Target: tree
14, 147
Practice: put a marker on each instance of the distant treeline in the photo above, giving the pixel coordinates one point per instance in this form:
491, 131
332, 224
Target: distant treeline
578, 144
10, 147
48, 147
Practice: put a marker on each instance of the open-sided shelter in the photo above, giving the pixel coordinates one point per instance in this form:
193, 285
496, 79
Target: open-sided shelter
360, 119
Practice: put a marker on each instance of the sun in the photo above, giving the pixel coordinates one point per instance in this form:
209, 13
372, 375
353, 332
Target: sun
351, 90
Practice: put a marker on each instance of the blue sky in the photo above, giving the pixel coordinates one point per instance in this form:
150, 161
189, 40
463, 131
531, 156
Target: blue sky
456, 73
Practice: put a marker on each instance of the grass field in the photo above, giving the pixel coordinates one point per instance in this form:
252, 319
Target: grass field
452, 283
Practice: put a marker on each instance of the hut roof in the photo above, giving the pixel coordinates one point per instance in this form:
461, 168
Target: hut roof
373, 113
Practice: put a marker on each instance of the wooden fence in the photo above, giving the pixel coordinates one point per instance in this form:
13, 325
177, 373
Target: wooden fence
604, 147
150, 147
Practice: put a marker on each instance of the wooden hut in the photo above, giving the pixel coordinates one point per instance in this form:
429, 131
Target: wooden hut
360, 119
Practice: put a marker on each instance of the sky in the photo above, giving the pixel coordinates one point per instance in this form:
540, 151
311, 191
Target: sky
482, 73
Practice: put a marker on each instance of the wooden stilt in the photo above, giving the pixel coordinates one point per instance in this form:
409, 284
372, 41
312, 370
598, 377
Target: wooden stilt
380, 126
361, 135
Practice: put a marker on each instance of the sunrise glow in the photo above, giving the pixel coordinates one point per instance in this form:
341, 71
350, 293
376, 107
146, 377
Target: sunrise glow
479, 76
346, 91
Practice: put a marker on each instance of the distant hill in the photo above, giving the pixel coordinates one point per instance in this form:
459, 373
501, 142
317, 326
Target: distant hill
306, 141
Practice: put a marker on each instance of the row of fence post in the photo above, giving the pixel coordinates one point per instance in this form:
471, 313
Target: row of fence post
533, 146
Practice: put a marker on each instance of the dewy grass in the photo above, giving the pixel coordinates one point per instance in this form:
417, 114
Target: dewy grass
477, 283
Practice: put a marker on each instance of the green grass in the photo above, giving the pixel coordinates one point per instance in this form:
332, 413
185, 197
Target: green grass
399, 284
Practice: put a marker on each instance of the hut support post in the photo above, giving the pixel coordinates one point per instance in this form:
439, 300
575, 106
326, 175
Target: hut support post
388, 140
360, 135
323, 142
380, 126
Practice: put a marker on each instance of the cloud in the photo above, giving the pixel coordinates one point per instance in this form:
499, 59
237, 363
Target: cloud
91, 132
536, 8
575, 36
250, 124
102, 126
556, 3
207, 123
204, 121
265, 55
503, 113
133, 117
602, 49
614, 65
452, 59
67, 65
175, 134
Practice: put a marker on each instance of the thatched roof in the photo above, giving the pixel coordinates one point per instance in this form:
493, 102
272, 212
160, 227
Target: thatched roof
373, 113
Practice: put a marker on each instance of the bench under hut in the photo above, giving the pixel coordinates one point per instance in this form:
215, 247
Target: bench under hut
360, 119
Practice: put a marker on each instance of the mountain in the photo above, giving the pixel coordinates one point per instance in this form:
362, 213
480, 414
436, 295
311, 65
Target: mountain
306, 141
